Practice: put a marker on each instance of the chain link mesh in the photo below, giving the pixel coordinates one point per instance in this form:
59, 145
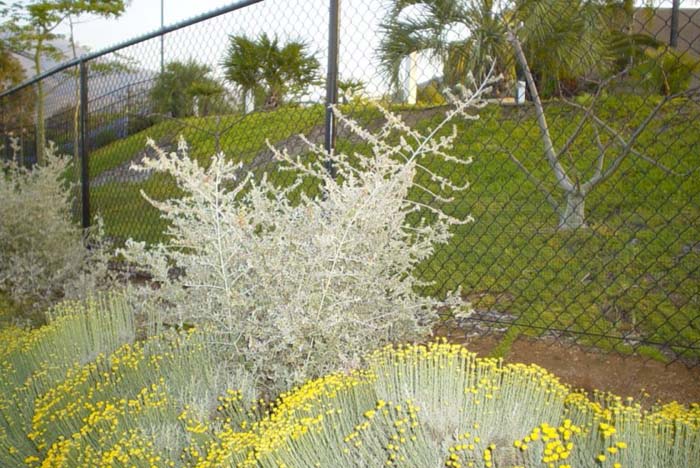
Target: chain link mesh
613, 261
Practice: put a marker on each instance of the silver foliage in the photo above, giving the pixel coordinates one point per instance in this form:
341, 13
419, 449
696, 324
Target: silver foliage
300, 289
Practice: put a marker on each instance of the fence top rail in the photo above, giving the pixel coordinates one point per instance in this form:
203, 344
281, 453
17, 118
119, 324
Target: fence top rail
122, 45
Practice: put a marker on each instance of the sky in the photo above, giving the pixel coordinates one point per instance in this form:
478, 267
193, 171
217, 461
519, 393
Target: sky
143, 16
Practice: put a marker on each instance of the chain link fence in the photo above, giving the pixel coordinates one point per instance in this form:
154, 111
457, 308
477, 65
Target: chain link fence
585, 185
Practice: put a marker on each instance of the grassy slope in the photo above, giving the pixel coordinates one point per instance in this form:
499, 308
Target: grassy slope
127, 214
629, 271
635, 269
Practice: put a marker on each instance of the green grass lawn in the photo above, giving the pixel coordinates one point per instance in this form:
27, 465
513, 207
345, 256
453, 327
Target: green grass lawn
125, 211
635, 270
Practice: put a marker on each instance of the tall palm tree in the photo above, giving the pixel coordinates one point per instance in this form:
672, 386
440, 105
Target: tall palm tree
242, 64
562, 38
279, 70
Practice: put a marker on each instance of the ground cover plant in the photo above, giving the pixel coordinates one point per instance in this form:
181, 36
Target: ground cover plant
629, 274
153, 402
68, 386
33, 361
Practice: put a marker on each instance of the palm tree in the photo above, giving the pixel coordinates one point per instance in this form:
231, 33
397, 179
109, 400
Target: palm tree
563, 39
429, 33
264, 64
242, 66
350, 87
179, 84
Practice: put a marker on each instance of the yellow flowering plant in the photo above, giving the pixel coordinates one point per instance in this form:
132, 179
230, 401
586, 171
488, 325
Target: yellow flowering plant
152, 404
32, 361
440, 405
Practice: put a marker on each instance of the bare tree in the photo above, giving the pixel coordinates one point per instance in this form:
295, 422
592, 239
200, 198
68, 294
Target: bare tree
573, 187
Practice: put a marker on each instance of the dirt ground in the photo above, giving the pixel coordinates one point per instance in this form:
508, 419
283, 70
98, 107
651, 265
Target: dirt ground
627, 376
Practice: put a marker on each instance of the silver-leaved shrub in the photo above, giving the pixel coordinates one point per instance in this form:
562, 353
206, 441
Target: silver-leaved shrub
297, 289
44, 254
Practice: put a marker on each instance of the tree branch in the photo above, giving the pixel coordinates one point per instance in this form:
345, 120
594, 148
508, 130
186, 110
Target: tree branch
538, 183
559, 172
600, 163
625, 144
588, 113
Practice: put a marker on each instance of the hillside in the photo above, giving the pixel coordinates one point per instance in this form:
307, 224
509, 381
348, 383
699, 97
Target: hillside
632, 273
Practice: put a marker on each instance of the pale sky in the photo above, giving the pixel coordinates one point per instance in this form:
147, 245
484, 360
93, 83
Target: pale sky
143, 16
305, 20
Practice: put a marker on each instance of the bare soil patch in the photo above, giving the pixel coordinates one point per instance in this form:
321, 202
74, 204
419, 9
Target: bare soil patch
627, 376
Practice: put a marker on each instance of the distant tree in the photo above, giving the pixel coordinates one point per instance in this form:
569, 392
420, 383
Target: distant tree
242, 65
279, 70
562, 39
32, 26
350, 87
435, 30
102, 67
178, 86
17, 109
11, 72
665, 71
614, 146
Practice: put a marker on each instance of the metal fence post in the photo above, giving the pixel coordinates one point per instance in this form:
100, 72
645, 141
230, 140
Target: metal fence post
84, 167
6, 136
332, 82
675, 11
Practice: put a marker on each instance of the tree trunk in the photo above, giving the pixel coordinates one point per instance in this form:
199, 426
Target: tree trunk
272, 100
410, 81
248, 101
574, 215
76, 137
76, 110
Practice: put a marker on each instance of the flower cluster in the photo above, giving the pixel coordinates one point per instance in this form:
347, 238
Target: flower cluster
151, 403
439, 405
32, 362
138, 389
